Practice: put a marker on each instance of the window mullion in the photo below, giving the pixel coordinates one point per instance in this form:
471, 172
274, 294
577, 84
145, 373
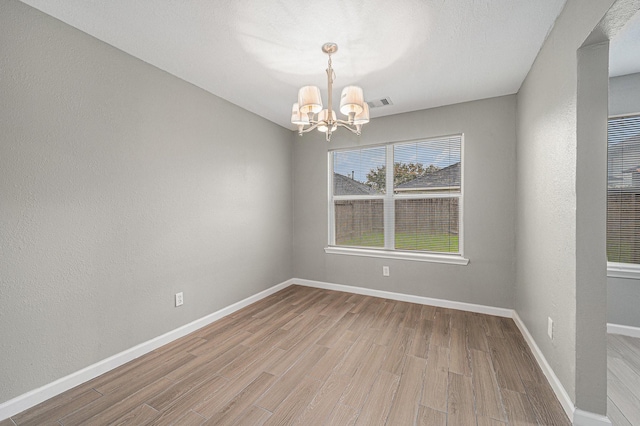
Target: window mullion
424, 216
389, 206
332, 214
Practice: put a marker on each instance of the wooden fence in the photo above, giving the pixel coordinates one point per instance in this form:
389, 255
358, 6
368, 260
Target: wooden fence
355, 219
623, 225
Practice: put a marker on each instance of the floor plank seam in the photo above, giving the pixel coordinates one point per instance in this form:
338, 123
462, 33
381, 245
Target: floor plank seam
394, 363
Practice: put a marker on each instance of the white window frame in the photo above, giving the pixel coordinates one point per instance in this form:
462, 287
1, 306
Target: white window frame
623, 270
388, 252
615, 269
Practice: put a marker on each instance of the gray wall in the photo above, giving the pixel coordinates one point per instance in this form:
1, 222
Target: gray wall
624, 294
119, 186
489, 206
624, 94
557, 276
623, 298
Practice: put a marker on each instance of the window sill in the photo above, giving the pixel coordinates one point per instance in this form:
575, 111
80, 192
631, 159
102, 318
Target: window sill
623, 270
400, 255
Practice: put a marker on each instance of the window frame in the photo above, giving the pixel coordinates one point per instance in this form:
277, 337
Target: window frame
619, 269
389, 198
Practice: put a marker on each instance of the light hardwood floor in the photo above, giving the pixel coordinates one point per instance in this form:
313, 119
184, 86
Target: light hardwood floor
310, 356
623, 379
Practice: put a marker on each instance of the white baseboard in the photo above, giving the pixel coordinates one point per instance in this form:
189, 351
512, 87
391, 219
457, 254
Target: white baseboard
556, 385
586, 418
36, 396
625, 330
443, 303
577, 416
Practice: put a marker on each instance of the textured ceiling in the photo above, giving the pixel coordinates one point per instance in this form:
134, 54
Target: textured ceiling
624, 51
256, 54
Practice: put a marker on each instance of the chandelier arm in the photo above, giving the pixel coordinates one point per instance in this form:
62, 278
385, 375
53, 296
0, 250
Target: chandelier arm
346, 125
310, 128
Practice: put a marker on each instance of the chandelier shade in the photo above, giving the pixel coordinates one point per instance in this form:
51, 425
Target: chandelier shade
298, 117
351, 100
308, 112
309, 100
363, 117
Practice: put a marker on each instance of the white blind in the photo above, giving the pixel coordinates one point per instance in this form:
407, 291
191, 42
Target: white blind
623, 190
419, 210
427, 185
358, 171
431, 166
358, 174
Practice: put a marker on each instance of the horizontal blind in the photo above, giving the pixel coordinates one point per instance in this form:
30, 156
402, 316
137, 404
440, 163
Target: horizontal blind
623, 190
427, 187
431, 166
418, 210
359, 223
357, 173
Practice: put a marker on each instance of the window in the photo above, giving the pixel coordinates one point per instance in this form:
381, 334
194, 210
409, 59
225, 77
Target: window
401, 200
623, 192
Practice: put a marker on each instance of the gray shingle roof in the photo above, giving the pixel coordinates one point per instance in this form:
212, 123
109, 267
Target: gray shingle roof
343, 185
622, 158
443, 178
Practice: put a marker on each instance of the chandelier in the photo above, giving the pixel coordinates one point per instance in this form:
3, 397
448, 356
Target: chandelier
308, 112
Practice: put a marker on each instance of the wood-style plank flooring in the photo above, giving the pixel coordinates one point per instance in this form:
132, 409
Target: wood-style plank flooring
317, 357
623, 380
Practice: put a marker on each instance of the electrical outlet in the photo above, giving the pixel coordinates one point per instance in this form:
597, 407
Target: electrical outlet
550, 328
385, 271
179, 299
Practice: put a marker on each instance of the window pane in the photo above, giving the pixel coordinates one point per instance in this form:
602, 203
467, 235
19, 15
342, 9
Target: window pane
359, 223
623, 226
428, 225
427, 167
623, 194
359, 172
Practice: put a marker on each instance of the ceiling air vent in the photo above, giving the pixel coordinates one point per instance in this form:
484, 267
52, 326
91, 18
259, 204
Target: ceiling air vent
380, 102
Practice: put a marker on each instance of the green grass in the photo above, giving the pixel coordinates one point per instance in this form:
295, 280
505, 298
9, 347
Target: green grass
443, 243
622, 253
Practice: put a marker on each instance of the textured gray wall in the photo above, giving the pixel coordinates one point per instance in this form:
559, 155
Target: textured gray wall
121, 185
624, 294
489, 206
551, 220
591, 235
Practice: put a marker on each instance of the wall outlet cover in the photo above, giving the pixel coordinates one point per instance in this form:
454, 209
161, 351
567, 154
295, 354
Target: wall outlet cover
179, 299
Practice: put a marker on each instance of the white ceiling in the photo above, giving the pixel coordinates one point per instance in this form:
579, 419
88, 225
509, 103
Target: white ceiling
257, 53
624, 50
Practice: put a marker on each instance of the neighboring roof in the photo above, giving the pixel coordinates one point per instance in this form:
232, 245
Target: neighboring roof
626, 144
343, 185
447, 177
622, 161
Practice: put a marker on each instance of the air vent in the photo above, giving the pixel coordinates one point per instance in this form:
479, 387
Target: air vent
380, 102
